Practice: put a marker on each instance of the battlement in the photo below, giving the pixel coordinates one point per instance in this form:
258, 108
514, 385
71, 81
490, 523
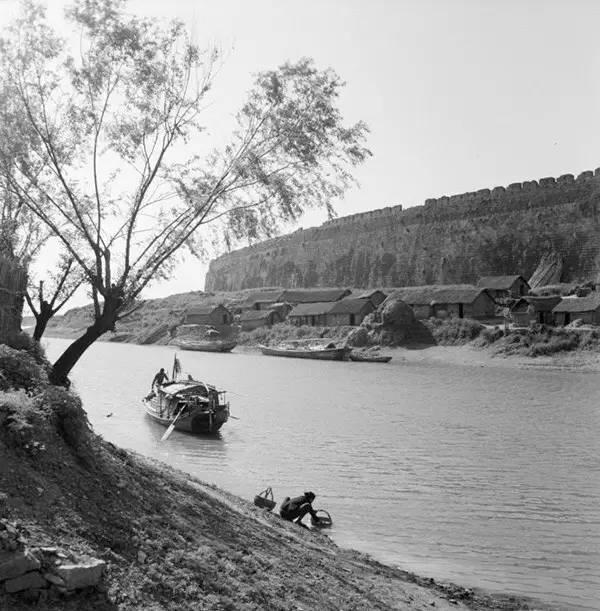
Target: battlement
449, 239
545, 190
548, 184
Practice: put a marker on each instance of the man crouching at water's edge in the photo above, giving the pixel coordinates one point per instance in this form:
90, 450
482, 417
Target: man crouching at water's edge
295, 509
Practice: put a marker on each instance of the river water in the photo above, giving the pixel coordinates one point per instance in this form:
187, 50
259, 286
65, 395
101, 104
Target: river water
488, 477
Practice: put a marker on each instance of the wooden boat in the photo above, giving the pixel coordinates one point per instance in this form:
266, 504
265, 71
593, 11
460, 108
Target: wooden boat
306, 352
195, 407
207, 345
369, 358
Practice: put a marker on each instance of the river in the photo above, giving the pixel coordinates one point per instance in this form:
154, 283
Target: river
485, 476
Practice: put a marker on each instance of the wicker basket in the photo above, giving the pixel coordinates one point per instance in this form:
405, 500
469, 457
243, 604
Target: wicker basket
325, 520
265, 499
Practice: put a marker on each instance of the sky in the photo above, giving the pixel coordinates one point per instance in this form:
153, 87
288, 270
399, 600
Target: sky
458, 94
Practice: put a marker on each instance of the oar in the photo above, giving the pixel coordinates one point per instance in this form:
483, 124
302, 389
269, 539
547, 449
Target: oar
171, 426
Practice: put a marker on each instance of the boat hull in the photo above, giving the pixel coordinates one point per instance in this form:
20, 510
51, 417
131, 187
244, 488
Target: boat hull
198, 422
207, 346
365, 358
325, 354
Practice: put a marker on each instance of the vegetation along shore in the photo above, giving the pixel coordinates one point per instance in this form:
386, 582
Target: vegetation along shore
452, 340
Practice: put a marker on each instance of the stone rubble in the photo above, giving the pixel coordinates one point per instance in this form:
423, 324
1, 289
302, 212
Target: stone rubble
30, 571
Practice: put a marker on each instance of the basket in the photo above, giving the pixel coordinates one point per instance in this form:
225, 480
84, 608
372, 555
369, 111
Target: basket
325, 520
264, 499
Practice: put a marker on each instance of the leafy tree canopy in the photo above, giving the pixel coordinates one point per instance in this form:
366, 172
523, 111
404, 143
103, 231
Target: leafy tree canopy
91, 142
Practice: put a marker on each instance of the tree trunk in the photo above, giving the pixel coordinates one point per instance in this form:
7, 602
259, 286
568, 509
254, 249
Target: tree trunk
66, 361
41, 321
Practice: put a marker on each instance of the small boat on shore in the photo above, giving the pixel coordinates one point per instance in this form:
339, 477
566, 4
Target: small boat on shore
207, 345
308, 351
367, 357
188, 405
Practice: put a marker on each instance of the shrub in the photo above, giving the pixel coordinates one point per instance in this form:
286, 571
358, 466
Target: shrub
452, 331
553, 345
16, 413
490, 336
358, 337
19, 369
69, 417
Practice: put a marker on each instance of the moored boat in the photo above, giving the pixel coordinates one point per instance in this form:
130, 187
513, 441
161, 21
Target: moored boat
189, 405
325, 353
366, 357
207, 345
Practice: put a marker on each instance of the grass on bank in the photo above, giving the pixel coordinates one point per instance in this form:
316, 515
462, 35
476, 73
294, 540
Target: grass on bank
536, 340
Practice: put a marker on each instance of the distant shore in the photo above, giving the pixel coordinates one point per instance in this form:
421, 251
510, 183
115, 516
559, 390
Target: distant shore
467, 355
578, 361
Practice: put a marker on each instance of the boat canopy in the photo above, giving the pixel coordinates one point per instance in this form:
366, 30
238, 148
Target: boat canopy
185, 387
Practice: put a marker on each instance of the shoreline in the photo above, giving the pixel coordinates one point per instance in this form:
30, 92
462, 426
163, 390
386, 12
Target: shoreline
580, 361
577, 362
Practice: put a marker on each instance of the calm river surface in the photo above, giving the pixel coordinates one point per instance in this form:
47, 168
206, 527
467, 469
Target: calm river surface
487, 477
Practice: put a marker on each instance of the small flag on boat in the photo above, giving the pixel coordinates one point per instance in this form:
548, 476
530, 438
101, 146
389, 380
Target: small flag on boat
176, 367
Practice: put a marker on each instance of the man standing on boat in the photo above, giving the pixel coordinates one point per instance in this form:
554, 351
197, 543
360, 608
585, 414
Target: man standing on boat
295, 509
160, 378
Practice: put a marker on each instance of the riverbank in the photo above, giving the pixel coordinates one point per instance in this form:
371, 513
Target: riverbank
464, 354
581, 361
169, 540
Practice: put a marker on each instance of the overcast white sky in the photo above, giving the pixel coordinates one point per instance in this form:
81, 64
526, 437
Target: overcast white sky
459, 94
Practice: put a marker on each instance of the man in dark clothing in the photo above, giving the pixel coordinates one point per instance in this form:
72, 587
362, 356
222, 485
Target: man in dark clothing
160, 378
295, 509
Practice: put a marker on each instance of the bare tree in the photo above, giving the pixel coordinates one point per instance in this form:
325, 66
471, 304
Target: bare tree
112, 165
44, 303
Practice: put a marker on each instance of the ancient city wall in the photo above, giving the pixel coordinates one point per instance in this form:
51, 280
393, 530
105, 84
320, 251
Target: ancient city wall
452, 239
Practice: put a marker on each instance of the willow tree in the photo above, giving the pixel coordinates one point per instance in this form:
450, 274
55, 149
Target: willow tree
116, 163
22, 235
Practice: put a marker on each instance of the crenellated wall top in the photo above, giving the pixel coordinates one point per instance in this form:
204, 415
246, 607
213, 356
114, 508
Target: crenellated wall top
472, 198
546, 189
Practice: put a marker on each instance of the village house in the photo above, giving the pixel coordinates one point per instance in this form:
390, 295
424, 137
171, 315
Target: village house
311, 314
208, 314
534, 309
454, 300
283, 309
295, 296
262, 300
375, 296
586, 309
504, 287
253, 319
349, 311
